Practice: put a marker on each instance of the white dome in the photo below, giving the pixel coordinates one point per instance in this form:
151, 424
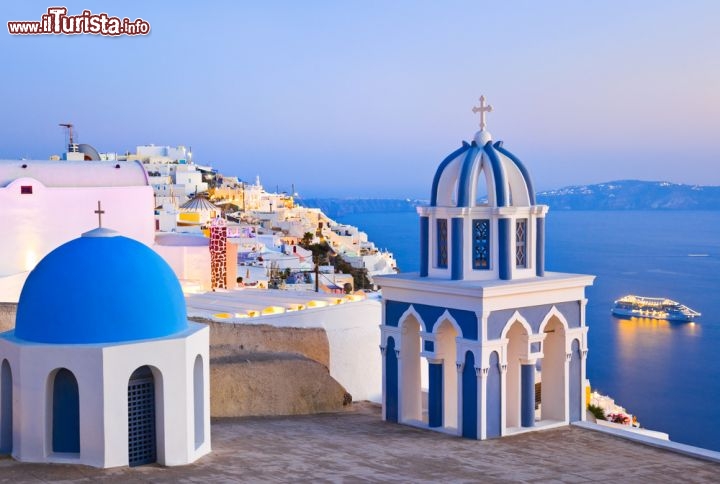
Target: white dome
457, 178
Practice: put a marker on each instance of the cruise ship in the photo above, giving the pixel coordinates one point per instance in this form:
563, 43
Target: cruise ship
653, 307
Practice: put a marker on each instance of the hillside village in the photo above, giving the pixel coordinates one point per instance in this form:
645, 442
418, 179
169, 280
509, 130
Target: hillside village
279, 242
275, 293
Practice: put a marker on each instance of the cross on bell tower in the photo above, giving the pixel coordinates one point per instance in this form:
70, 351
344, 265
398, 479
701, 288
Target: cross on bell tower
482, 109
99, 213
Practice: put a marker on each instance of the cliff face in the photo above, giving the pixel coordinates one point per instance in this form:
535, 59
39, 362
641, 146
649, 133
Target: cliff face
258, 369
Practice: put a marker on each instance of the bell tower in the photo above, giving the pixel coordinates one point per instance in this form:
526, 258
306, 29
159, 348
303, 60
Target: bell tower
465, 341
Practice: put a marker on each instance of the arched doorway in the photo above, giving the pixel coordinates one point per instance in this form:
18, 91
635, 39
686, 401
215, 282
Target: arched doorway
576, 383
6, 409
469, 397
199, 401
494, 397
410, 378
446, 349
142, 440
553, 386
516, 350
391, 382
65, 413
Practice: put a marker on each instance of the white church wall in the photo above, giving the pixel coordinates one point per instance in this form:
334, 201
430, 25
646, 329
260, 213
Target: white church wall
567, 288
38, 222
34, 365
102, 374
199, 413
174, 396
554, 288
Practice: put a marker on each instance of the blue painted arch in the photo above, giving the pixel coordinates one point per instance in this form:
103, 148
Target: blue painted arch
521, 167
391, 382
6, 408
466, 179
65, 412
502, 198
467, 321
469, 398
493, 403
443, 165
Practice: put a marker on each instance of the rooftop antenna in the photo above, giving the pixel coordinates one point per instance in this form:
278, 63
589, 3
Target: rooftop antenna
71, 138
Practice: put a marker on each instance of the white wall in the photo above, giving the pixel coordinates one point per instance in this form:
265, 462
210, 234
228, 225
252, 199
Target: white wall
191, 263
35, 224
353, 332
102, 373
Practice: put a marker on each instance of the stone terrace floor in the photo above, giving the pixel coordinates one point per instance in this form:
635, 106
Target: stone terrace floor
357, 446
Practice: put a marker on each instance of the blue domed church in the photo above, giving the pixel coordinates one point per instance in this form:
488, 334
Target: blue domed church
103, 367
483, 342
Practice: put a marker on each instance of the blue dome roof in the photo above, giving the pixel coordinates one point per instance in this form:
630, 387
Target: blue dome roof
456, 179
100, 288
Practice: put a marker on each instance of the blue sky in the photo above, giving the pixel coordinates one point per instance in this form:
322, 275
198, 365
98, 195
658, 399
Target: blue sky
365, 98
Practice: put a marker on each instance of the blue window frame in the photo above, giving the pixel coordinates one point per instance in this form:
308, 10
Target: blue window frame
521, 243
481, 244
442, 243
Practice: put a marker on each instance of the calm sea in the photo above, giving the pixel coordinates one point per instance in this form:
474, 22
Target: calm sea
668, 374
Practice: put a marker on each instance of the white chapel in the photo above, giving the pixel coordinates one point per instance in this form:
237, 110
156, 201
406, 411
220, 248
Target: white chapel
103, 367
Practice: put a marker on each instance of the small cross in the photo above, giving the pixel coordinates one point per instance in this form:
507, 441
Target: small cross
482, 109
99, 213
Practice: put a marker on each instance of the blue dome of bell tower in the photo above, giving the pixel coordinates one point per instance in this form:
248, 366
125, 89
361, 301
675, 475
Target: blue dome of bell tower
483, 221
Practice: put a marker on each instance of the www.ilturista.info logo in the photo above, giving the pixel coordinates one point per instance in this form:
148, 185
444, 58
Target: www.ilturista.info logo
57, 21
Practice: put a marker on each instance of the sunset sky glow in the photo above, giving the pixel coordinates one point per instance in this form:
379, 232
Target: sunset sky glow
366, 98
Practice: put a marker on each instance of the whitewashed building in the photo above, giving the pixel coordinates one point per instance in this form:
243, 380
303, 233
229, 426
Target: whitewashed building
43, 208
171, 172
483, 319
103, 367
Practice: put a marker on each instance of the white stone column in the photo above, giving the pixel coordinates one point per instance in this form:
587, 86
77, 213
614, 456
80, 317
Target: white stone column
482, 374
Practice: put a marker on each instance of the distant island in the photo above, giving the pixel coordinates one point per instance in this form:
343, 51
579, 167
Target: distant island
614, 195
633, 195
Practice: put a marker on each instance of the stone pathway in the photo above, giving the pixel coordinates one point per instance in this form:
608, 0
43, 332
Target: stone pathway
356, 446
